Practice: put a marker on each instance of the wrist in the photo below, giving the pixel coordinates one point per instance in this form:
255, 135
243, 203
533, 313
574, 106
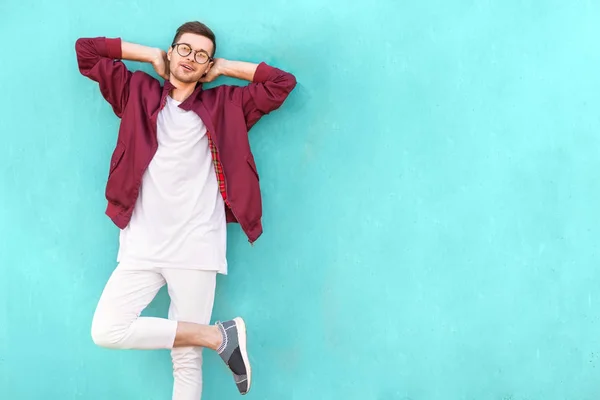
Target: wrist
222, 66
155, 55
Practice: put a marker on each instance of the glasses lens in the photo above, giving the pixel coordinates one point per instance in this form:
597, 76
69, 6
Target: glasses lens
183, 50
201, 57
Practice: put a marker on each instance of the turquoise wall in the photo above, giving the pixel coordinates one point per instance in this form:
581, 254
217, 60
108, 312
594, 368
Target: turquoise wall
431, 193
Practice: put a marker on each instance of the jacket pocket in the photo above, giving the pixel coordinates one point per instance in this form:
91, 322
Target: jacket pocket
116, 158
252, 164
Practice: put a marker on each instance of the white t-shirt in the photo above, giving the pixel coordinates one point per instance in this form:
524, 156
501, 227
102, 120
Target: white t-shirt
179, 217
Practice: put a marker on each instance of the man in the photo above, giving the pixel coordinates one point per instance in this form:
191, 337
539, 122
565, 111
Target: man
181, 169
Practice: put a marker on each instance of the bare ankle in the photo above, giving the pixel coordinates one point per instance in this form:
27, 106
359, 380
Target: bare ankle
216, 338
195, 335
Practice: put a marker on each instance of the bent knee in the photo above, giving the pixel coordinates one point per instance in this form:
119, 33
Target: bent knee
108, 334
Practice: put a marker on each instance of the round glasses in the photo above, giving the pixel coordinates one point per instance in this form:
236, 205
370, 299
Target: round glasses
184, 50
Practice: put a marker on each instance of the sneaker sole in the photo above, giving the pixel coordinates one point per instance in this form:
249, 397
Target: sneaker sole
242, 340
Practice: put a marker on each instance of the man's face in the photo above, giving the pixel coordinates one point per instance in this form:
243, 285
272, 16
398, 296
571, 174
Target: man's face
187, 69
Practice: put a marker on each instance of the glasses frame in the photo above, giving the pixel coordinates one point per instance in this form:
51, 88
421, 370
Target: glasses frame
177, 45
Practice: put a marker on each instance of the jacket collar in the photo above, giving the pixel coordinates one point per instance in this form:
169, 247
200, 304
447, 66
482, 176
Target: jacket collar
187, 104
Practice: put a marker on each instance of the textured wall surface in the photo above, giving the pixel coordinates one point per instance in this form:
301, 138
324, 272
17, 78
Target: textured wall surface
431, 195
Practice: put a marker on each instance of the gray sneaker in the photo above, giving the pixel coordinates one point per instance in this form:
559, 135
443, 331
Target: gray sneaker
234, 352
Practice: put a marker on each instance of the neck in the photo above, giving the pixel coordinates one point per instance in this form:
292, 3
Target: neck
182, 90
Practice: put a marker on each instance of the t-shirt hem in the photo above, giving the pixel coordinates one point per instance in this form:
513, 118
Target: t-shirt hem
221, 269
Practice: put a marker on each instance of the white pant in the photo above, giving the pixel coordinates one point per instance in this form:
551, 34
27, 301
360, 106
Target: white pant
117, 322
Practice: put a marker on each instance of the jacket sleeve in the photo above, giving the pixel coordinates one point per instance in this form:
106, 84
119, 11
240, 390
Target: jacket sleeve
267, 92
99, 60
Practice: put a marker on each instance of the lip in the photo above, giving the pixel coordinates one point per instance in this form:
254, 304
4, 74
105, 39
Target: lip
186, 67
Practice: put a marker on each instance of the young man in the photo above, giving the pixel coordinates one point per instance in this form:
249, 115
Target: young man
181, 169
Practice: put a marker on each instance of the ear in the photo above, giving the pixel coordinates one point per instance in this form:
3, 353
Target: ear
169, 53
208, 67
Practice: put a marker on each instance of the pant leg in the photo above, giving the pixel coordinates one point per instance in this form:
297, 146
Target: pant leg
117, 322
192, 295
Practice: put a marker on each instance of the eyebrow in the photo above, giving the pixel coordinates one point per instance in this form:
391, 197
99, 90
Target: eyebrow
190, 46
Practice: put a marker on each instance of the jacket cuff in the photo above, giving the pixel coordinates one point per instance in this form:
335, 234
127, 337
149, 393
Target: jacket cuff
113, 48
262, 72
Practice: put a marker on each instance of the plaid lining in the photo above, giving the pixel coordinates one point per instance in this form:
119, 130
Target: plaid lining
218, 168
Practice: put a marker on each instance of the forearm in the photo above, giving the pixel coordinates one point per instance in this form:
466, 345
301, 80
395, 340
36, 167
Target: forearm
237, 69
138, 52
